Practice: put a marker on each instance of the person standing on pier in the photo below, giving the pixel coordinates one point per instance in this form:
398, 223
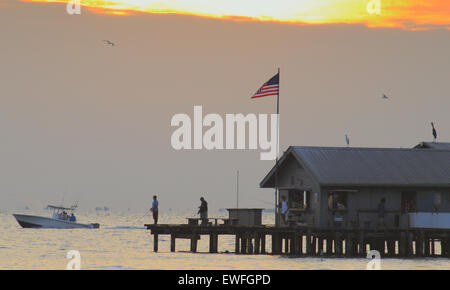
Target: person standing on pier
203, 210
154, 209
284, 210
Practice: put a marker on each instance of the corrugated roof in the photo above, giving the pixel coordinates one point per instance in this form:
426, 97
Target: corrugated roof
434, 145
373, 166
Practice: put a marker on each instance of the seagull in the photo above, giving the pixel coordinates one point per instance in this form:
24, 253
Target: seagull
109, 42
434, 131
384, 97
347, 140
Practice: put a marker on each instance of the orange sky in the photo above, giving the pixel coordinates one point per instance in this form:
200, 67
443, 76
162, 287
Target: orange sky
409, 14
82, 117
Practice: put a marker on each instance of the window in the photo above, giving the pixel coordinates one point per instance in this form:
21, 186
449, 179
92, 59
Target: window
337, 200
299, 199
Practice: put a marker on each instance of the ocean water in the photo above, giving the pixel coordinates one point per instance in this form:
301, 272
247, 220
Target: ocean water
122, 242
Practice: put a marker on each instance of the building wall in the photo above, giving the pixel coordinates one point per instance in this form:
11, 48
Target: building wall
293, 176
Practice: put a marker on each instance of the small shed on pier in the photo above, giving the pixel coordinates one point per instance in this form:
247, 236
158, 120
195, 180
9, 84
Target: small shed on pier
343, 187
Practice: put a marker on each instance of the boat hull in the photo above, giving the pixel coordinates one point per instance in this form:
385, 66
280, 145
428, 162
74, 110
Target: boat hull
31, 221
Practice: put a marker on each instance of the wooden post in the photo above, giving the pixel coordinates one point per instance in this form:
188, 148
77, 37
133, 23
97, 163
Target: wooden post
274, 246
378, 245
315, 246
433, 247
320, 246
427, 249
256, 250
155, 243
447, 243
244, 244
361, 244
263, 244
296, 245
338, 244
300, 244
276, 243
216, 243
391, 247
286, 245
211, 243
172, 242
250, 244
419, 244
329, 245
445, 247
236, 244
213, 238
403, 244
410, 245
308, 243
349, 246
194, 243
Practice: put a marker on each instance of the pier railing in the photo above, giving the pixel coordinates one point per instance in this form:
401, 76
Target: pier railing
313, 241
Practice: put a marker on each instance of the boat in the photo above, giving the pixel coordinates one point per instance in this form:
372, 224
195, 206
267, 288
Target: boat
59, 220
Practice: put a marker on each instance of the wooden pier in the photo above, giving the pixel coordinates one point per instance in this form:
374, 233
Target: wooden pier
310, 241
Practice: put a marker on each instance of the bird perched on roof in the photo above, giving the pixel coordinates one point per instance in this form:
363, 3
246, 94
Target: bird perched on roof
434, 131
108, 42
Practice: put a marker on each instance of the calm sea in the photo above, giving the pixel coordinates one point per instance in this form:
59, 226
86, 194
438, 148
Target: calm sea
122, 242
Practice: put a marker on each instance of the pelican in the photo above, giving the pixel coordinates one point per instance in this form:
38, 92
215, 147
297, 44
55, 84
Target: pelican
434, 131
108, 42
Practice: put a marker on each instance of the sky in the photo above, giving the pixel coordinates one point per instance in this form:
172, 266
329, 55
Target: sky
83, 120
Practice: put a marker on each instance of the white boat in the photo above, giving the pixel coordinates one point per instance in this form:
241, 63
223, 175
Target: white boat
59, 220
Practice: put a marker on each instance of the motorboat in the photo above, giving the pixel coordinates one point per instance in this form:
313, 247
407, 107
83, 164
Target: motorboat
62, 218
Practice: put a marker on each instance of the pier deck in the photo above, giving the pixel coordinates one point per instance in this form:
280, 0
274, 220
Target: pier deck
310, 241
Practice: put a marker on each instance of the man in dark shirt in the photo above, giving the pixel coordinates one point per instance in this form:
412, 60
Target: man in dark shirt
154, 209
203, 210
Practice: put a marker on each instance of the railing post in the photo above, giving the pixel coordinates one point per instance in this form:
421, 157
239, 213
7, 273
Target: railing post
172, 242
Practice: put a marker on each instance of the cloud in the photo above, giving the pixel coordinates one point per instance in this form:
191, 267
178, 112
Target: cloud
410, 15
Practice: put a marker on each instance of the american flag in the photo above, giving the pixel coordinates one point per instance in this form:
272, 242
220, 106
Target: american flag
270, 88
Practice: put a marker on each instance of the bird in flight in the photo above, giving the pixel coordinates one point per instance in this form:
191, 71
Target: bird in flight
434, 131
384, 97
108, 42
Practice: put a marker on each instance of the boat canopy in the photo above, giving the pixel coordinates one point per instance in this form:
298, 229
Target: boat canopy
61, 208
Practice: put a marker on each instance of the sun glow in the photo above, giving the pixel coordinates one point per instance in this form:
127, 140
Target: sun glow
409, 14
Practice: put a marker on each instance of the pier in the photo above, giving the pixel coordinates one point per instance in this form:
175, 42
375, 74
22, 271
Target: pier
311, 241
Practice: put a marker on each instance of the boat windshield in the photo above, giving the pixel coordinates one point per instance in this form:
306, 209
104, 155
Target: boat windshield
63, 213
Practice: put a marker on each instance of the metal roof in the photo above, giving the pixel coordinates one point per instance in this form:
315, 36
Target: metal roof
434, 145
331, 166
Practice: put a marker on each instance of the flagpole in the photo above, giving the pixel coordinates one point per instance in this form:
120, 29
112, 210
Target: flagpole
237, 189
277, 152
